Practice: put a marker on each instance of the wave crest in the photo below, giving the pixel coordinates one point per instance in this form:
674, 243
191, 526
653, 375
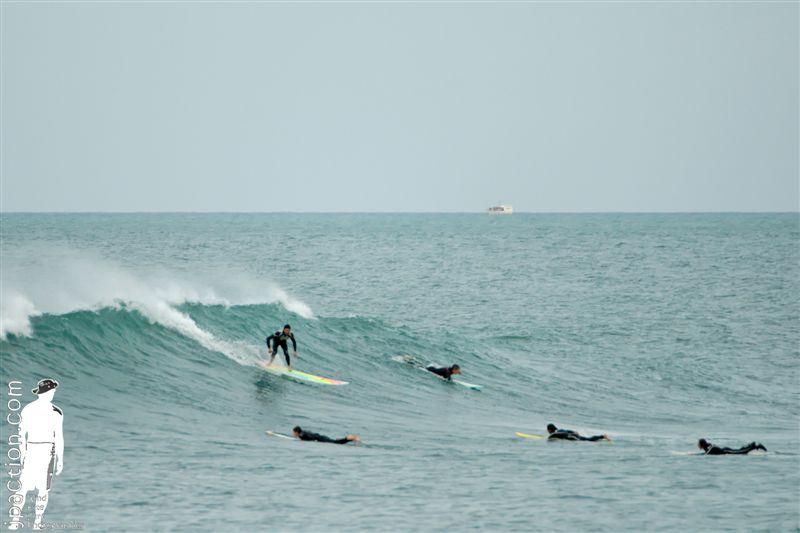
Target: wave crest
15, 314
60, 282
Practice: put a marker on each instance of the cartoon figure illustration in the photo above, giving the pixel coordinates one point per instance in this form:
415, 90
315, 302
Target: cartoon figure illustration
42, 447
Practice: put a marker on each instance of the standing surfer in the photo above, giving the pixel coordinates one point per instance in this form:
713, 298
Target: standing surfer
280, 338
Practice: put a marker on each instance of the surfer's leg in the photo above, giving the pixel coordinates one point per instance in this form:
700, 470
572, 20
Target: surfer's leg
286, 355
594, 438
348, 438
744, 450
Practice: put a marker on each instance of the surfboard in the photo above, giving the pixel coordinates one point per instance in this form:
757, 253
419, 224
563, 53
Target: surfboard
529, 436
454, 380
467, 385
686, 453
753, 453
279, 435
299, 376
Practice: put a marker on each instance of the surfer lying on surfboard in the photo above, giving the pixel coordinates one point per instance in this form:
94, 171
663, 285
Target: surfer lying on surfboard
568, 434
307, 435
710, 449
446, 372
278, 339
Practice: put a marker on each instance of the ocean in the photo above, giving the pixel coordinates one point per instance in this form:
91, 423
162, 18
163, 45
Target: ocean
657, 329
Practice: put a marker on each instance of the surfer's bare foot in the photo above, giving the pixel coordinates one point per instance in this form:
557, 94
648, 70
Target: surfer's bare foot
354, 438
605, 436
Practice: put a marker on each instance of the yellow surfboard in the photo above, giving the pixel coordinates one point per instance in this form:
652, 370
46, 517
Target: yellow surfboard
299, 376
529, 436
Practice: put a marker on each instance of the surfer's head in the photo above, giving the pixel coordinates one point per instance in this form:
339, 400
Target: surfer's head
297, 430
287, 329
703, 444
551, 428
455, 369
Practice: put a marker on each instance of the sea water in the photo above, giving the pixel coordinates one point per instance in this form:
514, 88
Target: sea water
655, 329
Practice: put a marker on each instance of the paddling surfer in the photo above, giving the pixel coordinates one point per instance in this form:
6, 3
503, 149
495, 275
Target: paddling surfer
568, 434
299, 433
444, 372
710, 449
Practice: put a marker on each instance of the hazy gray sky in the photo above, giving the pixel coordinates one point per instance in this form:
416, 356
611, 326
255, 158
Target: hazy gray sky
400, 106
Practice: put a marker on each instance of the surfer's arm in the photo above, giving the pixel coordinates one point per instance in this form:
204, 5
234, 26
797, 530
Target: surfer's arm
294, 343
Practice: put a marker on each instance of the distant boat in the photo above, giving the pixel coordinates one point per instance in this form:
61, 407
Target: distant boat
501, 210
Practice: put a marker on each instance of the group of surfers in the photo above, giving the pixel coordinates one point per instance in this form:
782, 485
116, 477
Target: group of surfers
281, 338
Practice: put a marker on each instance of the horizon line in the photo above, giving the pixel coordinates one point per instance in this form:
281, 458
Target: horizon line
484, 212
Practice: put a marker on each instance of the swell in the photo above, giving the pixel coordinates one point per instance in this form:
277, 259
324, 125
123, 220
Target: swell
157, 350
121, 348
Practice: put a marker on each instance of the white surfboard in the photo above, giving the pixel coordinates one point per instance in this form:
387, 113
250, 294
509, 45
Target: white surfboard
465, 384
279, 435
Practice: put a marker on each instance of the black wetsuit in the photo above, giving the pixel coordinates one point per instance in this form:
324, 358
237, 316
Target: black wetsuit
744, 450
279, 338
307, 435
568, 434
443, 372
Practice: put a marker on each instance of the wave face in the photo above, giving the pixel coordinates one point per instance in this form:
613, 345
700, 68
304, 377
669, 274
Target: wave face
656, 329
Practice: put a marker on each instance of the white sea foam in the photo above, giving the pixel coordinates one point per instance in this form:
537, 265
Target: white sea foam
54, 281
15, 314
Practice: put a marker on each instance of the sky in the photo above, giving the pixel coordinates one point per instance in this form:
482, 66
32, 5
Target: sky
400, 107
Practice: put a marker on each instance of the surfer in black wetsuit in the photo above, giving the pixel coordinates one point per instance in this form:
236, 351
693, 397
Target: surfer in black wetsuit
710, 449
279, 338
316, 437
445, 372
568, 434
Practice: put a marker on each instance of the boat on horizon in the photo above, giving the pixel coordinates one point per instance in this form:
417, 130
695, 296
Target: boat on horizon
500, 209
